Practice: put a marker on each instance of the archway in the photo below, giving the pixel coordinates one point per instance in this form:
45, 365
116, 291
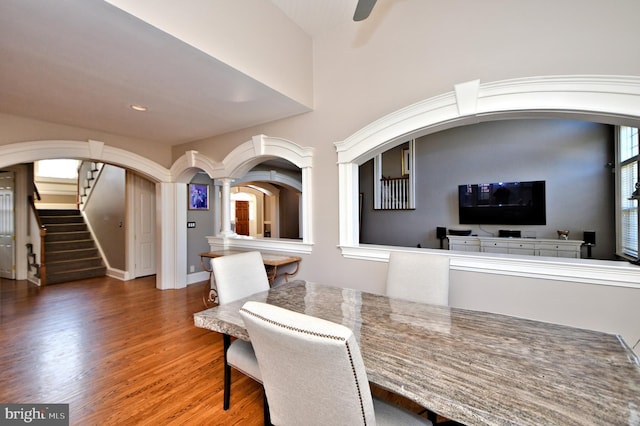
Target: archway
27, 152
607, 99
237, 164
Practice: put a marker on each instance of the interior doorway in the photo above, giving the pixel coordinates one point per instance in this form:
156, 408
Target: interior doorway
244, 210
144, 225
242, 217
7, 227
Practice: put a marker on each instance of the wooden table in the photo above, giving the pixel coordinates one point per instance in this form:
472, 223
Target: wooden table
271, 263
474, 367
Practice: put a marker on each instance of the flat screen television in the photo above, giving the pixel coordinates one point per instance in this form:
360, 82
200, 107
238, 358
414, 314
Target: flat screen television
503, 203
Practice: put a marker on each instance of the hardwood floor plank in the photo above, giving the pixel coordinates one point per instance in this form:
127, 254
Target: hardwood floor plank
120, 353
117, 353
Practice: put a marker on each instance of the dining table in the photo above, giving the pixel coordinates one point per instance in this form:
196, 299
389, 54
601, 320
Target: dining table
473, 367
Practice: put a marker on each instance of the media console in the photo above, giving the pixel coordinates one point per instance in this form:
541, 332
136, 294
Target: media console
527, 246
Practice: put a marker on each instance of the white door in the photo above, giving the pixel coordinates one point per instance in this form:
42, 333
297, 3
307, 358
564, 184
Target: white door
7, 228
145, 226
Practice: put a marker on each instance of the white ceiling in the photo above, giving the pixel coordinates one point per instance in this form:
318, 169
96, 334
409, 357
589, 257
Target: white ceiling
84, 62
318, 16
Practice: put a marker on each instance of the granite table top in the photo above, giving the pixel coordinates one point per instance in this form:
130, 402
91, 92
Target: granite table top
477, 368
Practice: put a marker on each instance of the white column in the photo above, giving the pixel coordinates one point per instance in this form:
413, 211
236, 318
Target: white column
306, 206
225, 208
348, 204
171, 259
215, 203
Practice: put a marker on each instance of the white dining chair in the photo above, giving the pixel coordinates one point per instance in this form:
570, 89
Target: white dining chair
237, 276
418, 277
313, 372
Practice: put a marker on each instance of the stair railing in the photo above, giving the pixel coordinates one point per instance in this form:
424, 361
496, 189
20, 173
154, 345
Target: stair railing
88, 174
394, 193
32, 260
36, 193
42, 269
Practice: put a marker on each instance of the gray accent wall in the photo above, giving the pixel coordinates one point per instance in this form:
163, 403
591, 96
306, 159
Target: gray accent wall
571, 156
197, 237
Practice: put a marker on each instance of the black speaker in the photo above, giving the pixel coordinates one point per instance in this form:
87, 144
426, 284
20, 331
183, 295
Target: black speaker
508, 233
441, 232
460, 232
589, 237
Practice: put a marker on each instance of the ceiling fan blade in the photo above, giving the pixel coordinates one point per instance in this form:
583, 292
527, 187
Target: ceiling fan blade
363, 9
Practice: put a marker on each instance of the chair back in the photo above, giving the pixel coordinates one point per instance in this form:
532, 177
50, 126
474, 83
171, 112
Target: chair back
418, 277
239, 275
312, 369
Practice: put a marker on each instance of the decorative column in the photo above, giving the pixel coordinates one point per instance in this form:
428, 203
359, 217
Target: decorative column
225, 208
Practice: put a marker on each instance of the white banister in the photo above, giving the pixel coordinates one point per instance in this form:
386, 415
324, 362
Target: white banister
394, 193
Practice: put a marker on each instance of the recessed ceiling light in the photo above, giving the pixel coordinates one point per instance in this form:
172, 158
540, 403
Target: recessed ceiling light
138, 107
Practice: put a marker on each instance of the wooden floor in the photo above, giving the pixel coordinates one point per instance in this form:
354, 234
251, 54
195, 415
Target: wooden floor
119, 353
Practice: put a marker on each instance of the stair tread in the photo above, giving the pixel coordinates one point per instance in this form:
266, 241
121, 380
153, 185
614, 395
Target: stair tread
76, 274
58, 241
56, 245
63, 268
75, 250
76, 259
73, 270
64, 214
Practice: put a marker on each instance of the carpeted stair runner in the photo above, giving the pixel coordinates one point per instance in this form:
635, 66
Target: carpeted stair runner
71, 253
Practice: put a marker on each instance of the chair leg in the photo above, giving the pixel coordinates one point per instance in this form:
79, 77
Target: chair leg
226, 339
267, 415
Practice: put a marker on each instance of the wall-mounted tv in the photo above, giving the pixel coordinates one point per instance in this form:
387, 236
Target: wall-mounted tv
503, 203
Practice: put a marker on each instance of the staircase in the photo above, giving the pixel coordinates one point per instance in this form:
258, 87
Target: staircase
71, 253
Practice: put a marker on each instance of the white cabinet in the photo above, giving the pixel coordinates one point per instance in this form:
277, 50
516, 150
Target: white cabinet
494, 246
527, 248
464, 243
524, 246
507, 246
558, 250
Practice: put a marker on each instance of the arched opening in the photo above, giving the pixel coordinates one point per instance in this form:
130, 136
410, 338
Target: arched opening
611, 100
238, 168
277, 187
570, 163
29, 152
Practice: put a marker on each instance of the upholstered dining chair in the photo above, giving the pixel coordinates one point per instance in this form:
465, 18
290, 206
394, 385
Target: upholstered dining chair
313, 372
418, 277
237, 276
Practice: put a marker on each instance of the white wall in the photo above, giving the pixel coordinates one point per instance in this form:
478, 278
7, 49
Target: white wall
412, 50
253, 36
405, 52
595, 307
